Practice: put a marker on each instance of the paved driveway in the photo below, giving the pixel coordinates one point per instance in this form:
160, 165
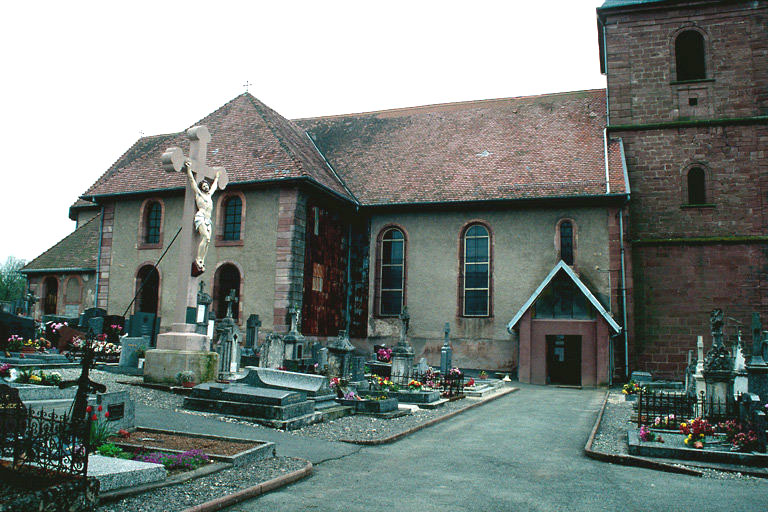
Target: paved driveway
521, 452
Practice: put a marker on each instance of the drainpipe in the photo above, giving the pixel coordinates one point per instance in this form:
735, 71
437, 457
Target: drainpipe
98, 260
605, 154
348, 315
605, 67
624, 292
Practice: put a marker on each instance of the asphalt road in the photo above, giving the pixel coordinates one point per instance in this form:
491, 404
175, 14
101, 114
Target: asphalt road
521, 452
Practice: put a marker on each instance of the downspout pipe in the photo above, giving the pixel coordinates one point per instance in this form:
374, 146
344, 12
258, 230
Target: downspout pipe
98, 259
624, 293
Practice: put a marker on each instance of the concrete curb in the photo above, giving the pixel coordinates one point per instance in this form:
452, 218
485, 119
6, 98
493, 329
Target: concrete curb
118, 494
252, 492
629, 460
433, 421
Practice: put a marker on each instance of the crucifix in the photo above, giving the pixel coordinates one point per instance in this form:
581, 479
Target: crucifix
196, 219
230, 299
295, 318
246, 85
405, 319
447, 334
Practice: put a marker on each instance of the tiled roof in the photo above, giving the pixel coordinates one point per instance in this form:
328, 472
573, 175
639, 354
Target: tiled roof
514, 148
77, 251
252, 141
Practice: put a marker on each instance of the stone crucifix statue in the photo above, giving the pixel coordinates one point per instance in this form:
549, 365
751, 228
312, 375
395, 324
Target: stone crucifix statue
196, 218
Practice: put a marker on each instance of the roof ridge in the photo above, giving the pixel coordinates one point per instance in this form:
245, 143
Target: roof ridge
258, 105
450, 103
54, 246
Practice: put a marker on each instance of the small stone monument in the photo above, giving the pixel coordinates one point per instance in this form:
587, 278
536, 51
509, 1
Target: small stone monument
740, 384
249, 355
228, 335
294, 341
339, 356
446, 352
699, 385
402, 354
183, 349
204, 301
718, 369
272, 352
757, 369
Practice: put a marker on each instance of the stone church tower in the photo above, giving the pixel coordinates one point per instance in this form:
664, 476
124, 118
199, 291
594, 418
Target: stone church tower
687, 89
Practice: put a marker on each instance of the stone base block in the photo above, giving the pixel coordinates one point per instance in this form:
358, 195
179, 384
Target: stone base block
250, 410
180, 339
161, 366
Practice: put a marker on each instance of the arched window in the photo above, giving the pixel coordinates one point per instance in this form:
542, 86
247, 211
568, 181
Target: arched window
392, 272
697, 192
152, 220
476, 267
566, 242
690, 56
50, 295
233, 209
72, 291
227, 279
148, 288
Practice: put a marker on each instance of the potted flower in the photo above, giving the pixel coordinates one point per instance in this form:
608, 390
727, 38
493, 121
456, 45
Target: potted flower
414, 385
483, 375
15, 343
186, 379
29, 347
630, 390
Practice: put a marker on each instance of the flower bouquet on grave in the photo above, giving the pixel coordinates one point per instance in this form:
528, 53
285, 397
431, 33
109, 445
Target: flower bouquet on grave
741, 437
414, 385
695, 431
630, 388
5, 371
646, 435
14, 343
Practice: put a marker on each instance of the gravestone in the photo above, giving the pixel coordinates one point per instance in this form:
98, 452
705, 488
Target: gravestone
357, 370
121, 409
402, 354
446, 352
88, 314
96, 324
272, 353
129, 357
422, 366
13, 324
740, 382
757, 369
718, 367
339, 356
143, 324
227, 348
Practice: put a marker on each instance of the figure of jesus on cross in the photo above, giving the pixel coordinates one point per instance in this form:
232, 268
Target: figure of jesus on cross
204, 203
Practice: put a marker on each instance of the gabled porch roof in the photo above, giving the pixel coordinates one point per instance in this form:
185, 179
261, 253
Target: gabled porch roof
579, 284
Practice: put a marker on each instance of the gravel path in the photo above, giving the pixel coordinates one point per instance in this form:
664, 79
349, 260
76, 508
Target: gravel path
611, 436
197, 491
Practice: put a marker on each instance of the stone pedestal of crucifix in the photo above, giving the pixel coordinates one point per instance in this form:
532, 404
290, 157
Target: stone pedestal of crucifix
402, 354
184, 349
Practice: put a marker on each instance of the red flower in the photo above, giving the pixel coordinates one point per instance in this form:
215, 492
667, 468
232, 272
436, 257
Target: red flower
94, 418
106, 414
99, 409
88, 409
123, 433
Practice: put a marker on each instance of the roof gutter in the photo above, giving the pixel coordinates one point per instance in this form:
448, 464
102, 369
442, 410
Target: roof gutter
57, 270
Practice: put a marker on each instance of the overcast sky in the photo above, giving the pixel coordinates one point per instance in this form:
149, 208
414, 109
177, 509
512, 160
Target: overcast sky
83, 80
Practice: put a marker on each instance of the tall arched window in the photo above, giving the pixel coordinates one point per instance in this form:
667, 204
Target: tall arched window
227, 279
392, 272
697, 192
50, 295
566, 242
233, 210
476, 267
690, 56
152, 220
72, 291
148, 288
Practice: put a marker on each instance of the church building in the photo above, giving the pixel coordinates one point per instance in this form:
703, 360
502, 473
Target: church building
569, 238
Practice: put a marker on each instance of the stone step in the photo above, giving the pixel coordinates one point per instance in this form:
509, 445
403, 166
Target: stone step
434, 405
250, 410
113, 473
336, 412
